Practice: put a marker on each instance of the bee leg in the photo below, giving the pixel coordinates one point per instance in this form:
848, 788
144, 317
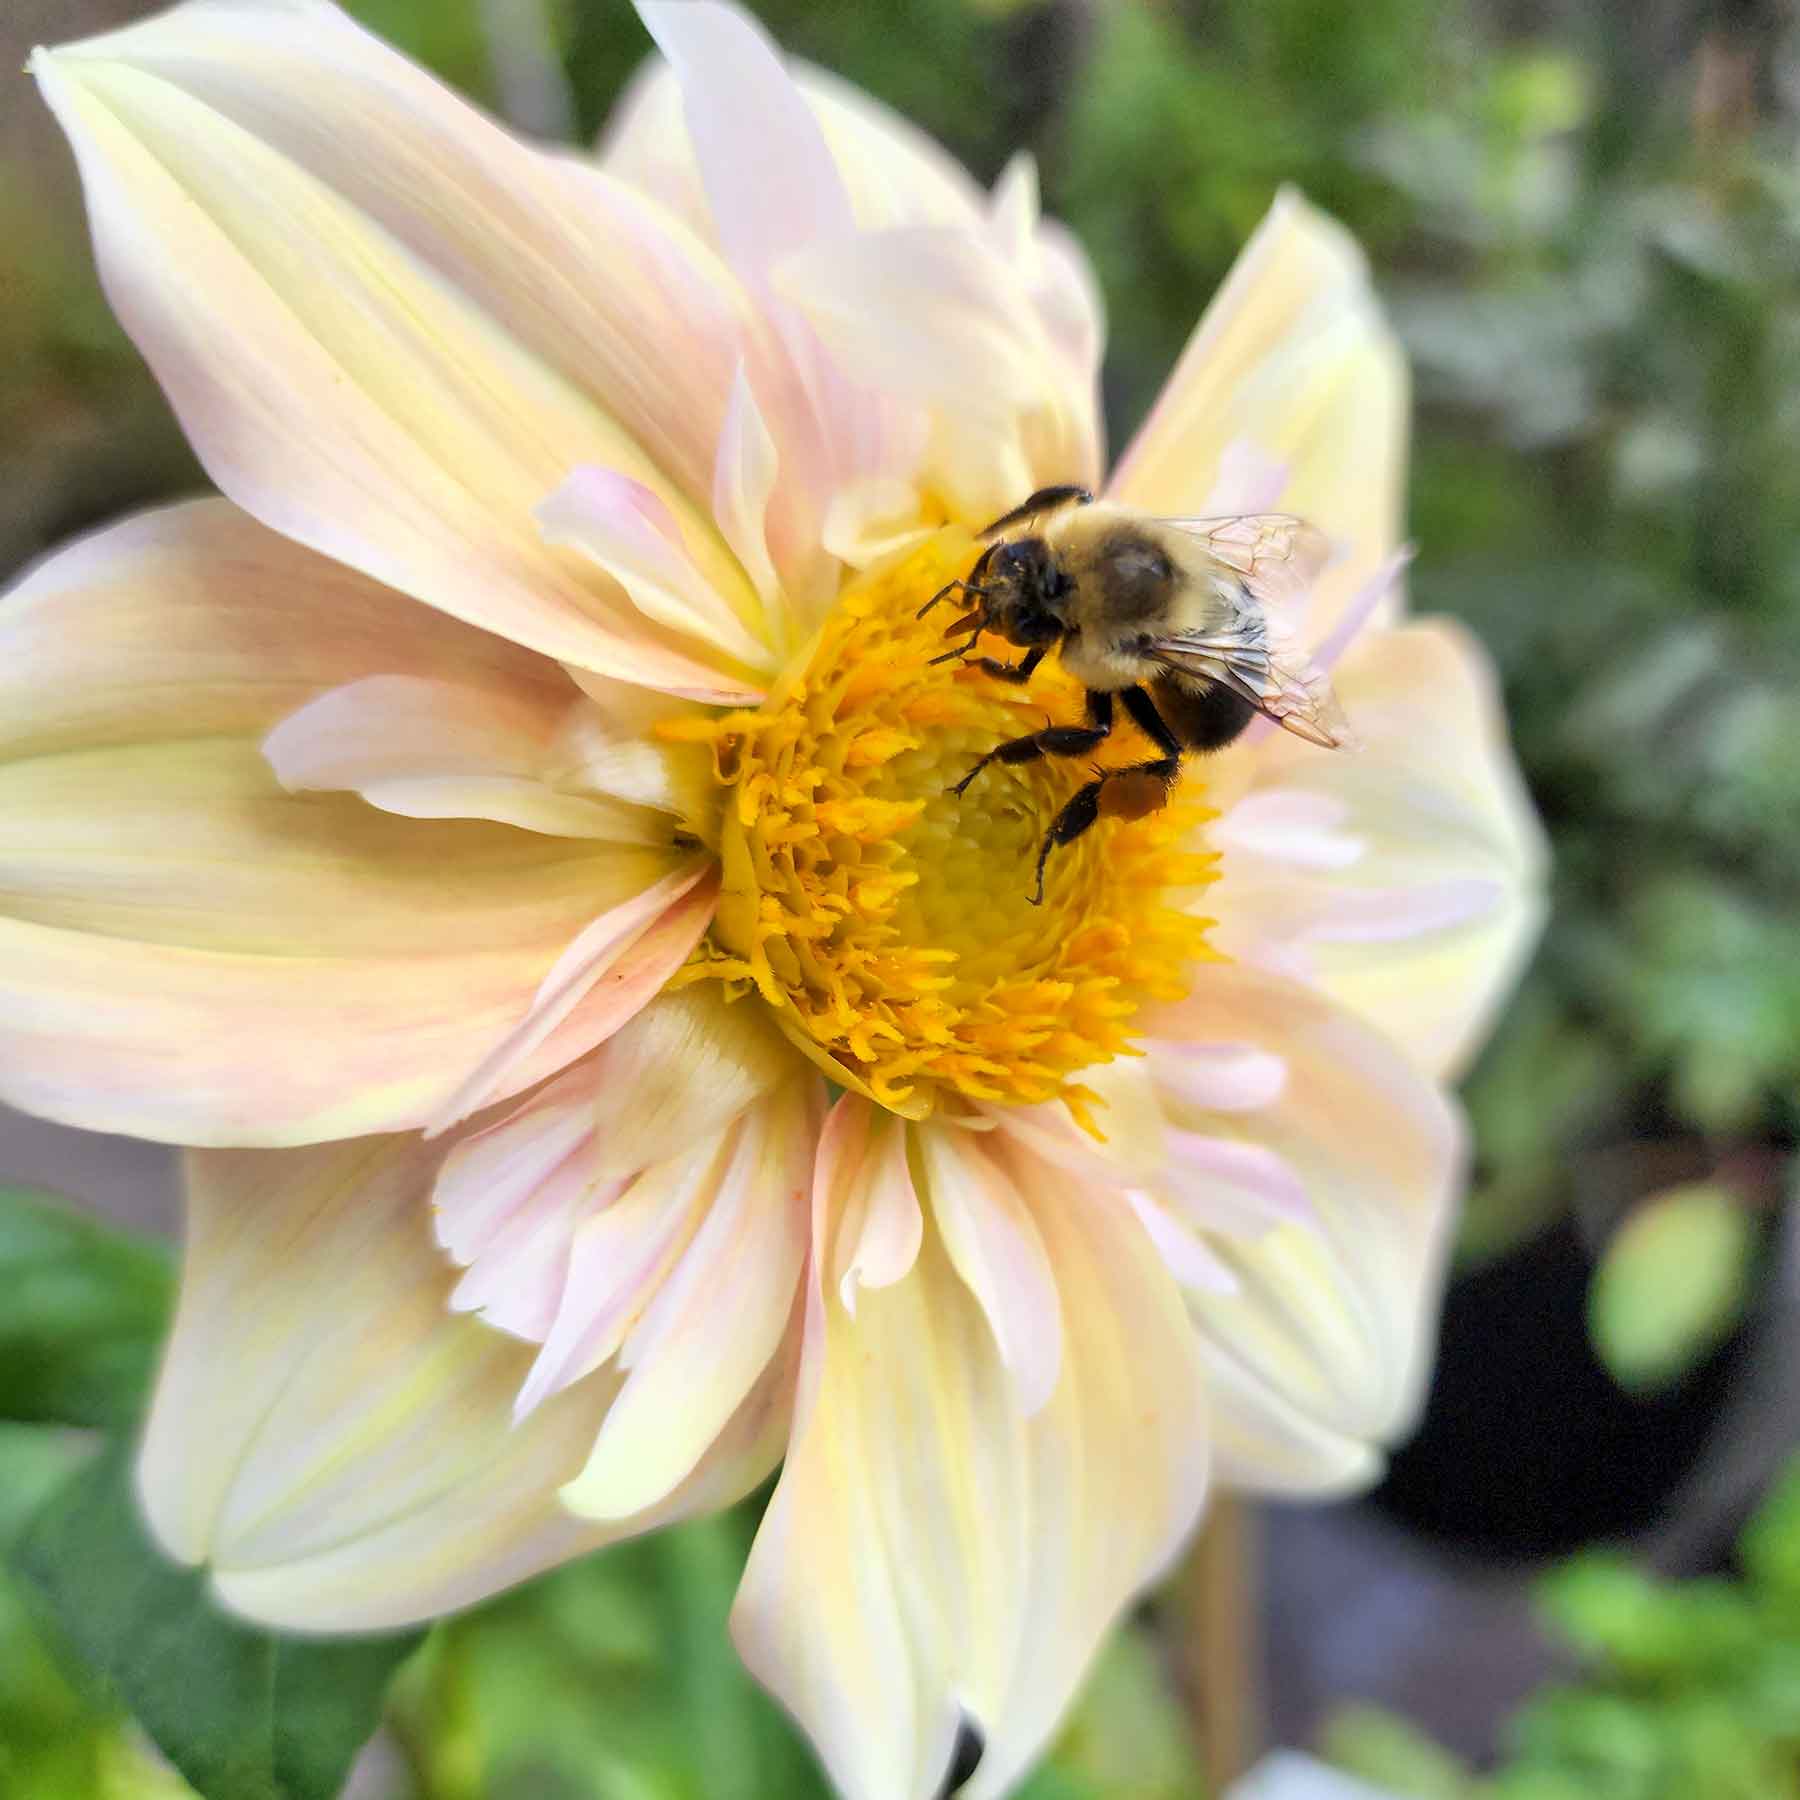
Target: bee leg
1053, 740
1151, 723
1017, 673
1041, 501
1077, 815
1084, 806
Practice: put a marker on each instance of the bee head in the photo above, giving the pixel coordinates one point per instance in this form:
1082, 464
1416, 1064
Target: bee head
1026, 593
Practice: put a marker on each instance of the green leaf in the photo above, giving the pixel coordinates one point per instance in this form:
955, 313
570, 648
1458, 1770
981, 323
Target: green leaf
613, 1678
86, 1307
1769, 1548
1672, 1284
242, 1713
1391, 1753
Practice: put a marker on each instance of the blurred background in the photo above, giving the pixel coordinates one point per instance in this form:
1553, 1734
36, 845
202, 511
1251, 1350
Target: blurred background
1583, 1576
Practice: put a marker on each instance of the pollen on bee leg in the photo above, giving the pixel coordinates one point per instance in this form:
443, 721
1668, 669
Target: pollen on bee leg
1135, 794
889, 922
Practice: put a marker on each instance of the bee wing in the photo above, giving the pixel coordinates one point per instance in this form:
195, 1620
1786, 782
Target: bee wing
1276, 555
1276, 676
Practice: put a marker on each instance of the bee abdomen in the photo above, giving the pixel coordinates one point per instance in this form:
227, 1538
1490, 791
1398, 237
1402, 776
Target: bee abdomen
1202, 714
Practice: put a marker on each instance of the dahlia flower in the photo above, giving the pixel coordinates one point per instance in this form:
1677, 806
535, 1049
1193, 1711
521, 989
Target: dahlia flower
506, 835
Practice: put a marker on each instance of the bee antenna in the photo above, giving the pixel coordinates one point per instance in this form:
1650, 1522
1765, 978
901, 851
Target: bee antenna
945, 590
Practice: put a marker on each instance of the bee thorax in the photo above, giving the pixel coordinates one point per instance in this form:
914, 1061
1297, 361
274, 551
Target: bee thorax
1108, 664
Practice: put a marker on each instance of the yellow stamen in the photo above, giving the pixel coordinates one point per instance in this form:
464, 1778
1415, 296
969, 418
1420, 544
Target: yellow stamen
887, 921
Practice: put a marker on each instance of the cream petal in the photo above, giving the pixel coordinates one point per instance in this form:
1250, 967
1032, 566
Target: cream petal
193, 620
1189, 1260
678, 1072
893, 173
626, 530
1225, 1184
895, 176
910, 1445
338, 387
435, 750
620, 1249
773, 190
1228, 1077
1294, 357
613, 747
1322, 1346
569, 1211
610, 970
335, 1443
1405, 879
863, 1181
992, 1240
164, 900
508, 1201
744, 477
937, 314
717, 1320
616, 296
771, 185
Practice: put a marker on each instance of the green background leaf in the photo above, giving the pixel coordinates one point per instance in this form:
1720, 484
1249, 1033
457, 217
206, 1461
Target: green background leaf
243, 1714
1672, 1284
86, 1306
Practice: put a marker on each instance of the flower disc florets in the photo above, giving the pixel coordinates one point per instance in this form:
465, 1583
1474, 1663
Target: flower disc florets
887, 920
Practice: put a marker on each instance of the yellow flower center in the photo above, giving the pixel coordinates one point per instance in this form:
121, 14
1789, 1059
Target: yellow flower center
888, 921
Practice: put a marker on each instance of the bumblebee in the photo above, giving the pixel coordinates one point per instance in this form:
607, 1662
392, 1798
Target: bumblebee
1169, 617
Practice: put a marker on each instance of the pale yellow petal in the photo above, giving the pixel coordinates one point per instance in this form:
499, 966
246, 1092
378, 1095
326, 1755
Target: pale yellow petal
932, 1550
334, 1443
612, 293
341, 389
188, 952
1406, 878
718, 1318
1317, 1355
1293, 357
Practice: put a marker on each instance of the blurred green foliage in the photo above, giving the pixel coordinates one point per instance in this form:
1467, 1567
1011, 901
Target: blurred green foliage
1688, 1690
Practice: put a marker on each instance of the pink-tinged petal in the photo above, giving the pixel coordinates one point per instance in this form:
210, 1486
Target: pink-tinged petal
508, 1201
512, 1198
911, 1442
718, 1318
1226, 1077
435, 750
620, 299
340, 389
744, 475
938, 315
1182, 1249
1294, 357
772, 190
1406, 879
892, 172
771, 184
617, 1257
193, 620
1127, 1111
990, 1234
162, 900
1225, 1184
611, 969
626, 530
335, 1443
612, 747
864, 1182
1317, 1357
